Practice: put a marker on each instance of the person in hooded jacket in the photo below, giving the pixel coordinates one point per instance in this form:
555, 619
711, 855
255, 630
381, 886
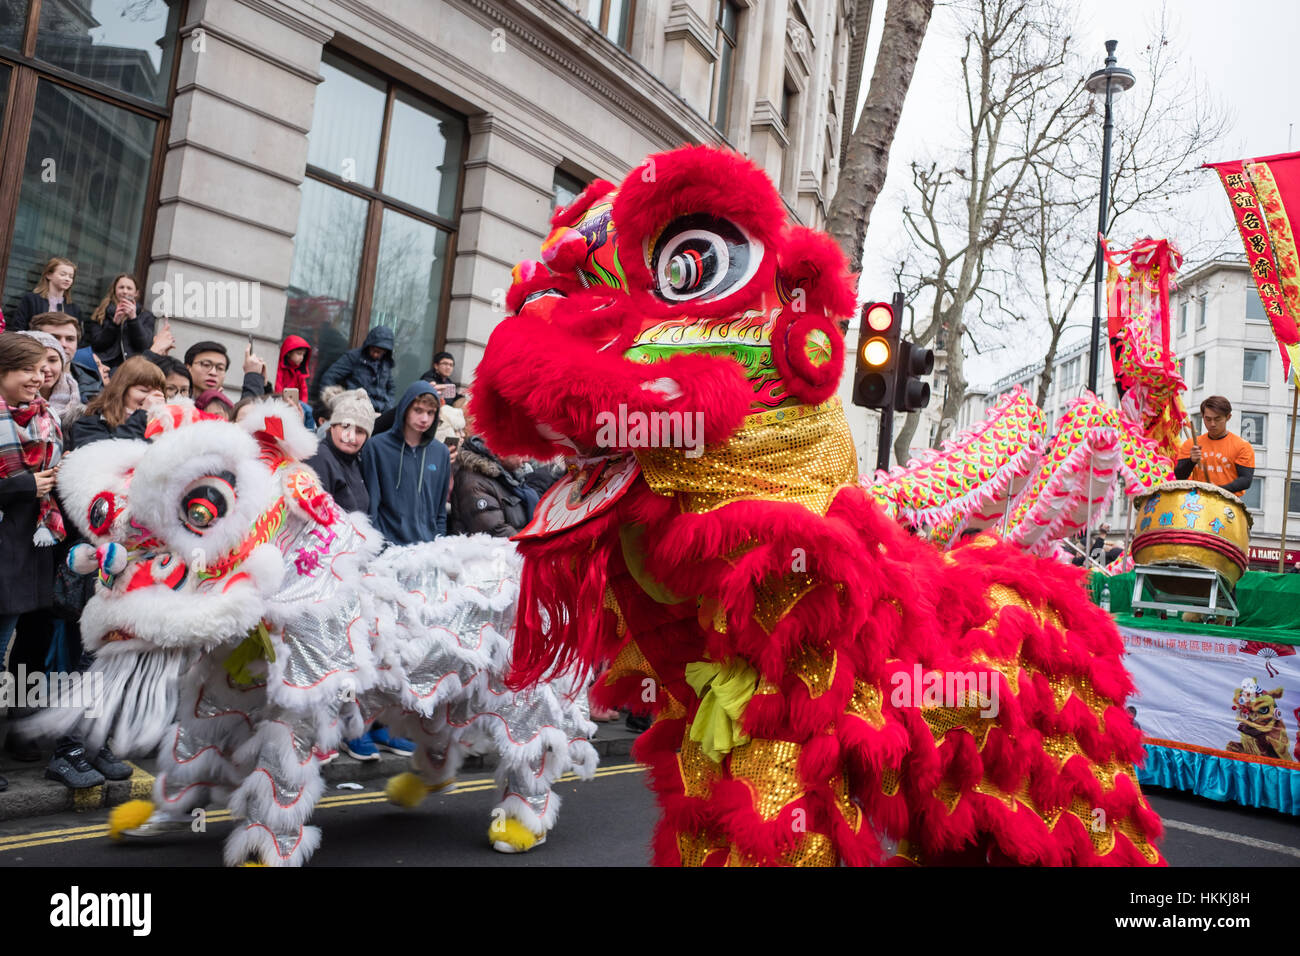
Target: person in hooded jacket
487, 496
337, 461
294, 369
408, 472
369, 367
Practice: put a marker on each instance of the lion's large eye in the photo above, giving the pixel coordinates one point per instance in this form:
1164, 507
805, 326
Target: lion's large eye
207, 500
701, 256
102, 512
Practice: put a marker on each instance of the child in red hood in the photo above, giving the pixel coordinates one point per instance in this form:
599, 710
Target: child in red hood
293, 371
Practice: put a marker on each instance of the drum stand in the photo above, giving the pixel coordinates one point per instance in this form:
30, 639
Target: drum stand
1169, 585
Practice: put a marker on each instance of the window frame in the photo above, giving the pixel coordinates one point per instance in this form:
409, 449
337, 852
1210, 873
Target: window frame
1182, 317
721, 40
1263, 430
1257, 484
377, 201
1295, 486
26, 73
1198, 369
1203, 310
1252, 293
1252, 381
603, 26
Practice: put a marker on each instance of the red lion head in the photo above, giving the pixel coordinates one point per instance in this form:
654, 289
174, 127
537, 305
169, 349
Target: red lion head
683, 289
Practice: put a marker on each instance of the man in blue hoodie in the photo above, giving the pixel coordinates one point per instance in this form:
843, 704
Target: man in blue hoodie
407, 473
369, 367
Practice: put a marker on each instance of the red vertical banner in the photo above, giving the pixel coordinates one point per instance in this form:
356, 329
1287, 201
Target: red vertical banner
1265, 198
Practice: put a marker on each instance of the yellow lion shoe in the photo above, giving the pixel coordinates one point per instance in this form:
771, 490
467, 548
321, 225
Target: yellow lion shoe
407, 789
511, 836
128, 816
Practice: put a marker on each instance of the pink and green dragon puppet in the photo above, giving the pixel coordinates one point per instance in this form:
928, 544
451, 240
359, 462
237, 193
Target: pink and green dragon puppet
826, 688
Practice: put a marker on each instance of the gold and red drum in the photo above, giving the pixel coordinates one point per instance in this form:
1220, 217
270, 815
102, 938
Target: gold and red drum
1193, 524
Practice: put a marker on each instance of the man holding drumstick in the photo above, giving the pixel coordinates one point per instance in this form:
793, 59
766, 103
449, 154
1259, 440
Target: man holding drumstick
1217, 457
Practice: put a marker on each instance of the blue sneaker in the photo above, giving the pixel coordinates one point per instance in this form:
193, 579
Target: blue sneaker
361, 748
394, 745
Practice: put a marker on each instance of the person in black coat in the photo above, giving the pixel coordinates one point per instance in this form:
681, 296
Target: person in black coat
50, 295
119, 328
369, 367
121, 409
338, 459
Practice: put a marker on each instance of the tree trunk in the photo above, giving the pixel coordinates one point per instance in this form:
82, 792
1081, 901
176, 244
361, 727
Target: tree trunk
863, 168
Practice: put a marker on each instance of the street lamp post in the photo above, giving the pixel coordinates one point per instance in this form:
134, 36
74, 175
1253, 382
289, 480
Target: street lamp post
1110, 80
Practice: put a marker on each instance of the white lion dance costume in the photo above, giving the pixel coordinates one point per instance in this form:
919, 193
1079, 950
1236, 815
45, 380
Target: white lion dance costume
238, 599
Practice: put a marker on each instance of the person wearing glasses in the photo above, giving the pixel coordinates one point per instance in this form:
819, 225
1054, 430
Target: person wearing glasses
208, 362
177, 376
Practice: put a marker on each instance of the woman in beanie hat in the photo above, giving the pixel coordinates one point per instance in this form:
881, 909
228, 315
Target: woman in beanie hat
337, 461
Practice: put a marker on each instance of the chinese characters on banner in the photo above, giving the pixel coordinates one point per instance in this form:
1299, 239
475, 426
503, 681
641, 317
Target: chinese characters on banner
1265, 197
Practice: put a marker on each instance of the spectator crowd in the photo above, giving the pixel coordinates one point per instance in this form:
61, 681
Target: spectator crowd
69, 378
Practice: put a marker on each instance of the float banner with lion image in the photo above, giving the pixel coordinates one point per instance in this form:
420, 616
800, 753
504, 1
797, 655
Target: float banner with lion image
1220, 715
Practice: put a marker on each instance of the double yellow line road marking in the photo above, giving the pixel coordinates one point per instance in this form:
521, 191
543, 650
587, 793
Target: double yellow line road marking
70, 834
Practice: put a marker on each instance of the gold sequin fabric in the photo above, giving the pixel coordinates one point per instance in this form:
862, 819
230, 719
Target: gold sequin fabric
867, 703
803, 454
697, 770
777, 599
770, 767
816, 672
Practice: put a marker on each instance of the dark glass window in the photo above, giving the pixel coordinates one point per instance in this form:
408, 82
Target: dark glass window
83, 190
728, 17
378, 218
91, 87
612, 18
565, 189
124, 44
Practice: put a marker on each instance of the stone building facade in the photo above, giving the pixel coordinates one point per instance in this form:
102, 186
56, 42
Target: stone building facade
342, 164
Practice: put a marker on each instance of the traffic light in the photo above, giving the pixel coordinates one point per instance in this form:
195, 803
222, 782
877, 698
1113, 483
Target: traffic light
910, 393
873, 382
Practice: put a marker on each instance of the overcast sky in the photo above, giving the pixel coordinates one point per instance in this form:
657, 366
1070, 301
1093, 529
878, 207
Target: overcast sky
1245, 54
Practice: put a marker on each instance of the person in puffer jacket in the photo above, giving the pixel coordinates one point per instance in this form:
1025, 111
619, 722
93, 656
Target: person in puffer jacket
369, 367
487, 496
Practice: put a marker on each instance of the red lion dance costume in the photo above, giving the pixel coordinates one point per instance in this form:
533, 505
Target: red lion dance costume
746, 590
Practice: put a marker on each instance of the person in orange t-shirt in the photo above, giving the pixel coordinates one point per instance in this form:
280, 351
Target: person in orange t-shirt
1218, 457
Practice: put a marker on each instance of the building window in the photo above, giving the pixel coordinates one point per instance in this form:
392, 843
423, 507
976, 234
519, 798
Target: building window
1182, 369
1254, 496
1254, 366
86, 96
565, 189
1182, 318
378, 218
613, 18
1254, 427
1293, 499
1254, 307
728, 20
1202, 310
789, 95
1198, 369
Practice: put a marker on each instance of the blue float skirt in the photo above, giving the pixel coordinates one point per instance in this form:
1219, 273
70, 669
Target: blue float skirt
1252, 782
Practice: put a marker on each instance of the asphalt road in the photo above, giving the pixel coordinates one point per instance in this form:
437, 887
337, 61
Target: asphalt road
604, 822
